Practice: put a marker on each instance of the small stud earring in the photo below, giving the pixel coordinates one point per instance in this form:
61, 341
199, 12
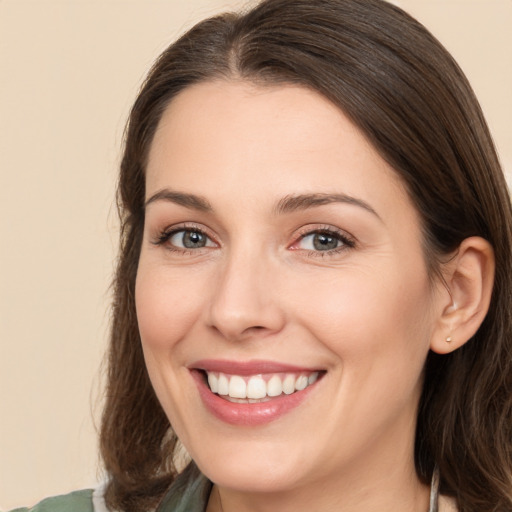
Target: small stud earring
449, 339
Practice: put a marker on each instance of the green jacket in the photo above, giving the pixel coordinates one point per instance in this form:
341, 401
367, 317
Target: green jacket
188, 493
78, 501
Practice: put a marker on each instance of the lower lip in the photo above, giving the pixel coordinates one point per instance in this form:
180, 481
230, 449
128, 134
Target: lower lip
248, 414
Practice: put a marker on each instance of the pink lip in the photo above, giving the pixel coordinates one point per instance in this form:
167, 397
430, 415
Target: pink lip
247, 414
244, 368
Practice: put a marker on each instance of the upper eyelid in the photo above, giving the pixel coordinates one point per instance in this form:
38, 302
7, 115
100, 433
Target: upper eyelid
176, 228
322, 228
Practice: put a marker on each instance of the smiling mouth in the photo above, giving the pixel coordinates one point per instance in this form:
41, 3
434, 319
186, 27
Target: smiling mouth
253, 393
258, 388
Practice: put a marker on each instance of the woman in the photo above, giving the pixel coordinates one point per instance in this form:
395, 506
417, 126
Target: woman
314, 287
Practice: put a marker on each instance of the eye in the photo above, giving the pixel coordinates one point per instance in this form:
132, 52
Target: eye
190, 239
184, 239
320, 242
327, 241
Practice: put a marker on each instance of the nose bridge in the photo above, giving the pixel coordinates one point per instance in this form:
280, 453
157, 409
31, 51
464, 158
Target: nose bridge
244, 301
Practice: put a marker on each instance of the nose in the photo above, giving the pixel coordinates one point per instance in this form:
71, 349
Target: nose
245, 302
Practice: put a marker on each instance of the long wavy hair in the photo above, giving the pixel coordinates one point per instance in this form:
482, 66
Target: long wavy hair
404, 91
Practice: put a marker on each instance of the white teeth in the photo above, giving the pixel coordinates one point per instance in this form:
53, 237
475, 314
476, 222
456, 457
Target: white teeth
213, 382
255, 388
223, 383
289, 384
237, 387
301, 383
274, 386
236, 400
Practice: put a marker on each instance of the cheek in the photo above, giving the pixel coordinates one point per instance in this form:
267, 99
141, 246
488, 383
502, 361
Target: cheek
166, 312
166, 309
379, 331
367, 317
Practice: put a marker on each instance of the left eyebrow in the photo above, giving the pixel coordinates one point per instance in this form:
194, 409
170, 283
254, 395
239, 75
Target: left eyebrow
294, 203
190, 201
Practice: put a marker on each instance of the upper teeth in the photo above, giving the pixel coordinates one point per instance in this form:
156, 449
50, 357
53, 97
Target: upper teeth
259, 386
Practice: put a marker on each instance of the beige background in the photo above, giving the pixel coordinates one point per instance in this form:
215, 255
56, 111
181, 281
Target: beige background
69, 70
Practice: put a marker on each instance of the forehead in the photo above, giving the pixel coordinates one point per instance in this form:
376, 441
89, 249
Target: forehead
269, 139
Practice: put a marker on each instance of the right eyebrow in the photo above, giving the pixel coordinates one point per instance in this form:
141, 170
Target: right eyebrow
300, 202
190, 201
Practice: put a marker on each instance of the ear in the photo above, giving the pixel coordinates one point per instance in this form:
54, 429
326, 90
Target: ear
469, 279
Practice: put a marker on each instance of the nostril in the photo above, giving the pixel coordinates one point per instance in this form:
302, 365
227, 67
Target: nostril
253, 330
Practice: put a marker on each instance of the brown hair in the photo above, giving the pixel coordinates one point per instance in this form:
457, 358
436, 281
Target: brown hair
408, 96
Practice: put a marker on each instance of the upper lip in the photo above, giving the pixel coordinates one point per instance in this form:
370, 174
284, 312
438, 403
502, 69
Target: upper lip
252, 367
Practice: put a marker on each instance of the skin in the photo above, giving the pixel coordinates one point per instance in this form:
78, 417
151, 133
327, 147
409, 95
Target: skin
366, 313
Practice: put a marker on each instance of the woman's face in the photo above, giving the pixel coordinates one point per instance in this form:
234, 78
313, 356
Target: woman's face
282, 258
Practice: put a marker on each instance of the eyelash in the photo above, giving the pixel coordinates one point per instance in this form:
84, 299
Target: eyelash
164, 237
346, 241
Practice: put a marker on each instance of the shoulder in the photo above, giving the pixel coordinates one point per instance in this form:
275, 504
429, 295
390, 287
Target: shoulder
77, 501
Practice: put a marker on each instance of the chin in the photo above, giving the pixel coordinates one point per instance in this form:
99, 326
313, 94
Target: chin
255, 476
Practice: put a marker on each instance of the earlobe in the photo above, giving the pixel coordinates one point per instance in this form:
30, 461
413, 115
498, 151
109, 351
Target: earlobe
469, 279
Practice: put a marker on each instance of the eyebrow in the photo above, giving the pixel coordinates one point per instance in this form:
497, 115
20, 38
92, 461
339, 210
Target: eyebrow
300, 202
190, 201
287, 204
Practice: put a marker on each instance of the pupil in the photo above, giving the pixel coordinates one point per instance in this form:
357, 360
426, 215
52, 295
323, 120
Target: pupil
193, 240
323, 242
